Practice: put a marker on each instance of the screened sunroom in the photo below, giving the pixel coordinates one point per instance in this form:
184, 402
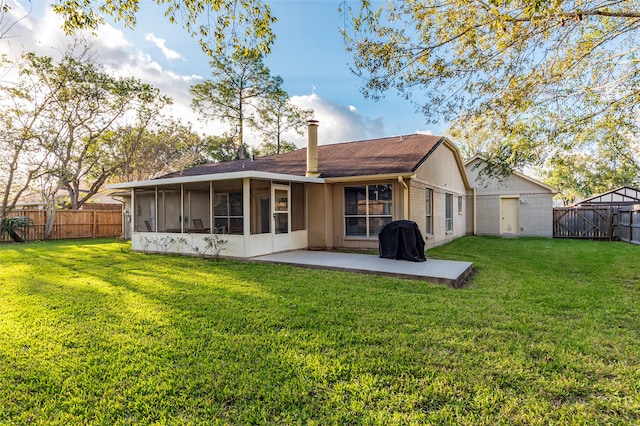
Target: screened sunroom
255, 213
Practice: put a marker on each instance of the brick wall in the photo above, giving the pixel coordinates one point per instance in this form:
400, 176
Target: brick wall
417, 213
536, 215
488, 215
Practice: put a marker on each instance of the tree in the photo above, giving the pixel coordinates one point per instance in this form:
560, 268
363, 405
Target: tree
276, 116
270, 148
20, 158
240, 84
546, 72
474, 136
223, 148
143, 152
579, 174
77, 104
21, 155
7, 22
219, 25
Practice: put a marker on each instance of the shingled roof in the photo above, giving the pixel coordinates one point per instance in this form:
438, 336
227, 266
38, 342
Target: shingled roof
400, 154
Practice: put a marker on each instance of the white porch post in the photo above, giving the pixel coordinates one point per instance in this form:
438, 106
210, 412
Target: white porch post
156, 213
182, 207
211, 206
246, 214
133, 211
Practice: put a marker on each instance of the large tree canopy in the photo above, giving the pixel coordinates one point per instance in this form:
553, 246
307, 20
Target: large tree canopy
56, 118
546, 74
83, 103
218, 25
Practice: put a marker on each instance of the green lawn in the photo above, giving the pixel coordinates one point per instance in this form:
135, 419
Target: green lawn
547, 332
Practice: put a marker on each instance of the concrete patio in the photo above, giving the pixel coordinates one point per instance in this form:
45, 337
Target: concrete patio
448, 272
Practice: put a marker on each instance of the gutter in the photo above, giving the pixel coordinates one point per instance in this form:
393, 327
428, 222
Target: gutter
389, 176
214, 177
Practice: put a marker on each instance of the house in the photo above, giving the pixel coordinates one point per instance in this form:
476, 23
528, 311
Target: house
101, 200
319, 197
611, 215
516, 205
623, 196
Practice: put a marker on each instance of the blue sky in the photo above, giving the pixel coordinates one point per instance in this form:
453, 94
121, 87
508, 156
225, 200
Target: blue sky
308, 54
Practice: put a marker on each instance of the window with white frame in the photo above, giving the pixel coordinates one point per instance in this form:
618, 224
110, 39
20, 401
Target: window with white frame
367, 208
428, 197
459, 204
448, 213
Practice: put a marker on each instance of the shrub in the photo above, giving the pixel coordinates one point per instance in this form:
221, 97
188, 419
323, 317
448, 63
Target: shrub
11, 225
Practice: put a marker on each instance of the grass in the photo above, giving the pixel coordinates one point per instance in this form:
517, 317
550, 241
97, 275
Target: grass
548, 332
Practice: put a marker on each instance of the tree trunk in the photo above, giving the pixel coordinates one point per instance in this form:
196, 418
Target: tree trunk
48, 226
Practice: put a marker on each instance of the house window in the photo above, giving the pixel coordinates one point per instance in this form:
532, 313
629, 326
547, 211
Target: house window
459, 204
367, 209
448, 213
429, 209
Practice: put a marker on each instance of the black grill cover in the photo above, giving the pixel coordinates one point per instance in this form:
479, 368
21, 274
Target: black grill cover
401, 239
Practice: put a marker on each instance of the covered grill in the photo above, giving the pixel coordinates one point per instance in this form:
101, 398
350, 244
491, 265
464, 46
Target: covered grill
401, 239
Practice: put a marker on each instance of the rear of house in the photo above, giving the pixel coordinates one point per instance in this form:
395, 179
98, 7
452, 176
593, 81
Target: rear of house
321, 197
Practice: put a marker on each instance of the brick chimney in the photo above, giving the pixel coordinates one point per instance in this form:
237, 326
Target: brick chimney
312, 149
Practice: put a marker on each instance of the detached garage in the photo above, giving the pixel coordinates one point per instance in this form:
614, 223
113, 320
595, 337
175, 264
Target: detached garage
514, 205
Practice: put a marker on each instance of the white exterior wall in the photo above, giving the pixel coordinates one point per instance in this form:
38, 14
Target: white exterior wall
236, 246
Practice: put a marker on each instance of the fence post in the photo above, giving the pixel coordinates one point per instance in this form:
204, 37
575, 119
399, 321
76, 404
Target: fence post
611, 223
631, 215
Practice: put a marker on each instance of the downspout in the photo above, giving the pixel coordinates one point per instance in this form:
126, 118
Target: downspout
405, 207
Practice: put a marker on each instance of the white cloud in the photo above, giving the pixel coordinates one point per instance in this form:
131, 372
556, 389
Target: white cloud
338, 123
111, 49
160, 43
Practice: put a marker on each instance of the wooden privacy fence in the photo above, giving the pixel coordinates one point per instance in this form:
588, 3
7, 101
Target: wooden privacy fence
598, 223
593, 223
629, 224
72, 224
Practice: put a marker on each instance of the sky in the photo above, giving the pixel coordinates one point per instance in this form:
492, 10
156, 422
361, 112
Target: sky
308, 53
